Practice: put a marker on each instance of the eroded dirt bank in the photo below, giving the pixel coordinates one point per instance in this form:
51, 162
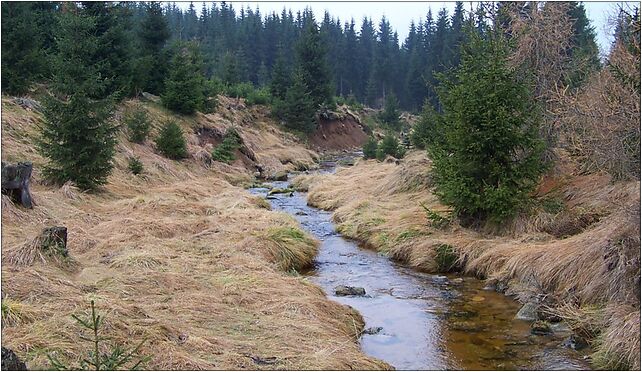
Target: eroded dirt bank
181, 255
577, 257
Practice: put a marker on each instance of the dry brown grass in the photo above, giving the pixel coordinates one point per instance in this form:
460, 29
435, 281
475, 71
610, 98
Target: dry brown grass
599, 263
177, 256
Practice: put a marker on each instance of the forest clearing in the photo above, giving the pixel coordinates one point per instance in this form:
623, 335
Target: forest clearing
238, 190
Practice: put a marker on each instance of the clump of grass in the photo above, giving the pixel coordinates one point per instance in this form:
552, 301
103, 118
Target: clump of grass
261, 203
13, 312
292, 248
445, 257
407, 235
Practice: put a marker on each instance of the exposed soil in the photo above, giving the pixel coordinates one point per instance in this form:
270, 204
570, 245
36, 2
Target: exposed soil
338, 134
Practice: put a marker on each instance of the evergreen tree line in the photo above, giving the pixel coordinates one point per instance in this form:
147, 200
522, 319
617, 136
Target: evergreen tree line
366, 61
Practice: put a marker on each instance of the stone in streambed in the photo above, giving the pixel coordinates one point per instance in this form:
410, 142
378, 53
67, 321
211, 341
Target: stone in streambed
527, 312
344, 290
540, 328
372, 330
575, 342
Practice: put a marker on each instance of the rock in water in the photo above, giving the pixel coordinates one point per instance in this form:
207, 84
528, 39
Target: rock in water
540, 328
372, 330
575, 342
15, 182
344, 290
527, 312
11, 362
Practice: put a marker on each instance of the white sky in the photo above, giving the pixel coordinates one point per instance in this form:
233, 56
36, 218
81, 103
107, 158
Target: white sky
400, 13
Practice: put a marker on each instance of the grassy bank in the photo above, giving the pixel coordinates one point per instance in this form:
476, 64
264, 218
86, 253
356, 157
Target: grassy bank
180, 256
576, 252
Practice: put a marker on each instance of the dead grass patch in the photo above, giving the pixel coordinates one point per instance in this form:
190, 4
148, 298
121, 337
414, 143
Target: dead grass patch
167, 257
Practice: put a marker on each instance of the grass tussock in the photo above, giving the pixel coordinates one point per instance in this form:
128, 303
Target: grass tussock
581, 245
176, 255
290, 248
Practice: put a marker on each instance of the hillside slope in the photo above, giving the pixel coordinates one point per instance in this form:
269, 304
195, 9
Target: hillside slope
180, 256
577, 255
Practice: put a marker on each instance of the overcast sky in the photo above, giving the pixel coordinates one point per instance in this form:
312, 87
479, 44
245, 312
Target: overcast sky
400, 13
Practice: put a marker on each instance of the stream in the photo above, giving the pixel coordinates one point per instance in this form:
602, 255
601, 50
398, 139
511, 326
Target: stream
421, 321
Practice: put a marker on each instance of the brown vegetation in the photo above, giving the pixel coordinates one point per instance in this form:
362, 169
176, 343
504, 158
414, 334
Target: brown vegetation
596, 263
177, 255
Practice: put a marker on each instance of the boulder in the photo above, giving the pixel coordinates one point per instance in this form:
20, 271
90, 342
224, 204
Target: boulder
28, 103
11, 362
150, 97
528, 312
372, 330
15, 182
344, 290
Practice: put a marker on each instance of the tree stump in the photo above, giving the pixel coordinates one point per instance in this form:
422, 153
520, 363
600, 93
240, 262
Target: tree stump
54, 240
15, 182
11, 362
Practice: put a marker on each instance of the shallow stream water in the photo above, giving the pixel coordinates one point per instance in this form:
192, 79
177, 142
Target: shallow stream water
427, 321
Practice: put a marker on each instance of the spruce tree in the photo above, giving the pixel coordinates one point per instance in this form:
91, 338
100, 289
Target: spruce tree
311, 60
280, 77
489, 160
151, 66
171, 142
390, 114
299, 108
185, 84
78, 137
113, 56
370, 148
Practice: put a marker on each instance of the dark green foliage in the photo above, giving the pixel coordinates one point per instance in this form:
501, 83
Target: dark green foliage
390, 114
138, 125
225, 151
78, 137
171, 142
113, 53
445, 258
252, 95
240, 90
281, 79
23, 55
135, 165
389, 145
436, 220
313, 69
584, 52
184, 86
132, 56
427, 130
259, 96
370, 148
152, 63
298, 109
115, 358
489, 160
